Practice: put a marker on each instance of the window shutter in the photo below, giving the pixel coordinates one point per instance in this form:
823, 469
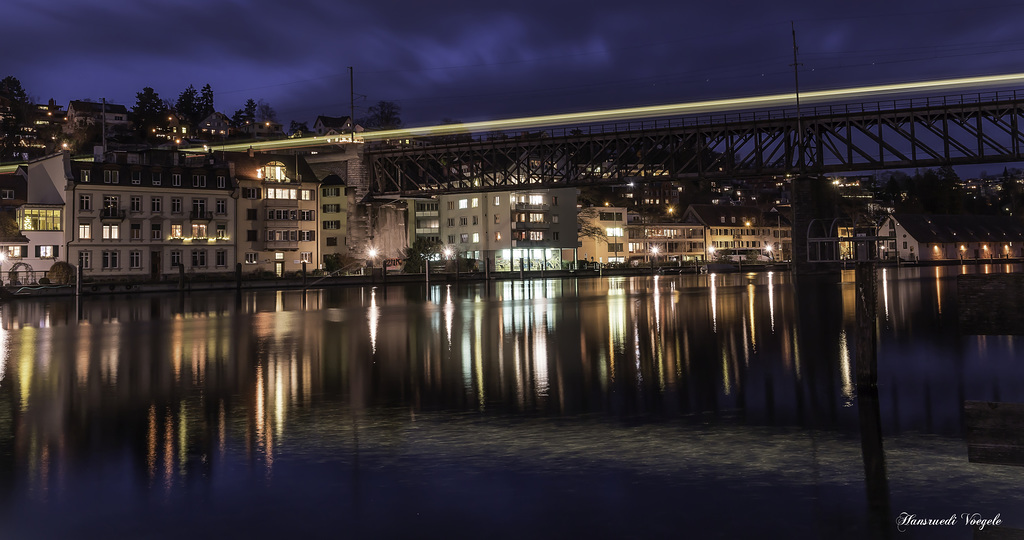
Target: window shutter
56, 252
38, 251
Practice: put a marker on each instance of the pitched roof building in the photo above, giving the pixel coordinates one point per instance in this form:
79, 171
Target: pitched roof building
932, 237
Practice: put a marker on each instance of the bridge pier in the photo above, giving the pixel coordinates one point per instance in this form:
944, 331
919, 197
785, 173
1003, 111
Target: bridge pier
813, 199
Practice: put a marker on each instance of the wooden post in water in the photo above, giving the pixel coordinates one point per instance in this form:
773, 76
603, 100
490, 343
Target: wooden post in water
238, 276
303, 275
867, 336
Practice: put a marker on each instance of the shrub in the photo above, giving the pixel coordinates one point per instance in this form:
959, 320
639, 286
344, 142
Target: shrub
61, 273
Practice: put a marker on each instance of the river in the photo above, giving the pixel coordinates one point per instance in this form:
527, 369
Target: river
709, 406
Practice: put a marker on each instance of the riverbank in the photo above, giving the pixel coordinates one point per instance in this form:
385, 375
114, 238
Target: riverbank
376, 278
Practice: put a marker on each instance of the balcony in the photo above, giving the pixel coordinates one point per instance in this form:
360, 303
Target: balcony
526, 225
528, 206
200, 215
283, 245
112, 213
281, 203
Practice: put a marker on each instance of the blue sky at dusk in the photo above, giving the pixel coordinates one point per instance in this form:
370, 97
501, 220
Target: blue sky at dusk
472, 60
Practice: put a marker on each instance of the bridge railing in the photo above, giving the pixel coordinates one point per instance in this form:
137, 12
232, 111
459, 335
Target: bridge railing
765, 115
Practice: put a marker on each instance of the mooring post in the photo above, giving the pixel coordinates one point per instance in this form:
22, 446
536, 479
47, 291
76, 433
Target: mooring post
867, 336
238, 276
303, 275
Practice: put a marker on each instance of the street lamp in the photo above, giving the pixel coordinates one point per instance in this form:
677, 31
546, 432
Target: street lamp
771, 255
654, 257
372, 253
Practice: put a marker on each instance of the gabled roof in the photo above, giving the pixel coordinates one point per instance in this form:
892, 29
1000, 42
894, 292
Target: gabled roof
948, 229
332, 121
246, 167
332, 180
96, 108
712, 215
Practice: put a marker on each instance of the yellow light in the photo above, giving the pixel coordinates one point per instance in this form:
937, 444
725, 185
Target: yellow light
675, 109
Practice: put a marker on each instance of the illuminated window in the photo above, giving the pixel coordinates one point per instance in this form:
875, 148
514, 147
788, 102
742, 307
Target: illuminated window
463, 203
274, 172
176, 230
536, 199
111, 232
85, 231
476, 202
40, 220
250, 258
476, 238
198, 230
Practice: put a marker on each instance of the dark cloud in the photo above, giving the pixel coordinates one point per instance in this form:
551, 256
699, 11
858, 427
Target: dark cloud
473, 60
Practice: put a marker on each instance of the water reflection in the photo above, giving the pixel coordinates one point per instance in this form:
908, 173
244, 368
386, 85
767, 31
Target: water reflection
192, 384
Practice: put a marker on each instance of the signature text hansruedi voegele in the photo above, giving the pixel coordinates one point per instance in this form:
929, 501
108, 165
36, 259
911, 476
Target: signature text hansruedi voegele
970, 519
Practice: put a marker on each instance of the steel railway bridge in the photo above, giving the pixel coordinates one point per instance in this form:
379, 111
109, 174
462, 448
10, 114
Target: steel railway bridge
961, 129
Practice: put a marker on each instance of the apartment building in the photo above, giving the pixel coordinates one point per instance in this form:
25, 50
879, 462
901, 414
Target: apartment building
741, 231
278, 213
334, 206
605, 242
532, 229
144, 215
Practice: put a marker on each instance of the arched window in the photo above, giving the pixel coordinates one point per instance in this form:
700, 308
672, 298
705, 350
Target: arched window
274, 172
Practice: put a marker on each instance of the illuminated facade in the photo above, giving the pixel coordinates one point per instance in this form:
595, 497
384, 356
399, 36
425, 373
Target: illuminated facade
144, 215
530, 228
333, 220
611, 248
739, 231
278, 214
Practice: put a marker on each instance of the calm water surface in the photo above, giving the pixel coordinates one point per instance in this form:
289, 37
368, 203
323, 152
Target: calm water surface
686, 406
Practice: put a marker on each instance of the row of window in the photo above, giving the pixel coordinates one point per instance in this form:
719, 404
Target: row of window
156, 178
253, 258
111, 259
156, 204
42, 252
533, 236
113, 231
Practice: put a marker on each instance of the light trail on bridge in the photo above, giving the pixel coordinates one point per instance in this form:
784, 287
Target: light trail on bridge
637, 113
630, 113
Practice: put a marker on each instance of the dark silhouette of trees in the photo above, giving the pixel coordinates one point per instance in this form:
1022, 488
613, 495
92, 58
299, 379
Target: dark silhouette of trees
383, 115
149, 113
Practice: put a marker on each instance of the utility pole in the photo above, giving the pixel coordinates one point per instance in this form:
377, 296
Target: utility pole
103, 118
352, 102
799, 122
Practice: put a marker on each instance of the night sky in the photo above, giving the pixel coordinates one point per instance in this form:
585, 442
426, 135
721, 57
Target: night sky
473, 60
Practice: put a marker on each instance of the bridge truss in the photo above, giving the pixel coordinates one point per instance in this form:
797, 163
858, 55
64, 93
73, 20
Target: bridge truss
920, 132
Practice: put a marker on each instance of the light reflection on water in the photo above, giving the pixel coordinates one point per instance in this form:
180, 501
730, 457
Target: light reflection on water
193, 388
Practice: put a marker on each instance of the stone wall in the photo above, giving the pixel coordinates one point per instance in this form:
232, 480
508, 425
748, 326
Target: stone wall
990, 304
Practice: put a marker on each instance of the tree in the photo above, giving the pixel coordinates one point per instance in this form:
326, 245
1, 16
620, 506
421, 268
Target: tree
11, 124
187, 105
384, 115
264, 112
298, 127
585, 227
149, 112
245, 115
417, 254
204, 107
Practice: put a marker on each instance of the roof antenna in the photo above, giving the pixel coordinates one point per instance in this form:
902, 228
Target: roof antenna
799, 122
